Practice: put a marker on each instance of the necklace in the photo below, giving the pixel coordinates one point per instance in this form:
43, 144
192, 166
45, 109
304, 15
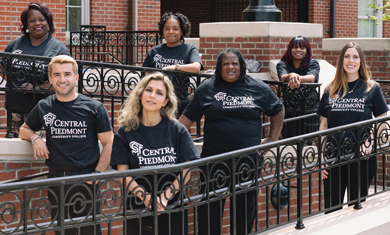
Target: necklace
349, 92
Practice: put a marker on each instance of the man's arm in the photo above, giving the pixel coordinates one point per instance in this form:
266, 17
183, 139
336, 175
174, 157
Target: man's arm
39, 146
106, 139
276, 127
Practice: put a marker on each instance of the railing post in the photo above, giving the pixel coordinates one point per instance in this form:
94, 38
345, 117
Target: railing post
61, 208
154, 204
233, 213
358, 205
8, 106
300, 224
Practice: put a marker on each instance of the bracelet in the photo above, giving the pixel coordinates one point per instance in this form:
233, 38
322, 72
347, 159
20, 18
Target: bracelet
36, 137
177, 66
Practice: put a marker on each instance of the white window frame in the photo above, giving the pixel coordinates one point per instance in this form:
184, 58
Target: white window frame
379, 27
85, 16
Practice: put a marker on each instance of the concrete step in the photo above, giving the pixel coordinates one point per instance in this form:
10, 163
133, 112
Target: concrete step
373, 218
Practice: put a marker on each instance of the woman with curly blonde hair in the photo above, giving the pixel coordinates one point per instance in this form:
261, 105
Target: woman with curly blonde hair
131, 112
150, 136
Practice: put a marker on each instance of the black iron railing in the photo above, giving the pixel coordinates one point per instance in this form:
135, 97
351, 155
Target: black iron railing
288, 164
109, 83
94, 43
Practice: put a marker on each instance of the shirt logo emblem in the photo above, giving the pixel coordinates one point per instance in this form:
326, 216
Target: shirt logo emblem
49, 119
136, 147
220, 96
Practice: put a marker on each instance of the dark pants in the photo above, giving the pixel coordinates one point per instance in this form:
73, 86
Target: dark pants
167, 224
210, 216
299, 127
337, 182
77, 204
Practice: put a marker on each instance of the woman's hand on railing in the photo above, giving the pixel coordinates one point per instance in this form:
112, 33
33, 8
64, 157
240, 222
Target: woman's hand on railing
324, 173
366, 148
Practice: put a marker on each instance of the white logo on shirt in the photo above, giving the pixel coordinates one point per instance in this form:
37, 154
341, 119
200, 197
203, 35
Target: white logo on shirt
347, 104
136, 147
220, 96
64, 129
149, 158
18, 51
161, 62
234, 101
49, 119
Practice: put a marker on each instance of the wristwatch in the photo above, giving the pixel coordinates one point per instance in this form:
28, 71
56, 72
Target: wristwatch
177, 66
97, 171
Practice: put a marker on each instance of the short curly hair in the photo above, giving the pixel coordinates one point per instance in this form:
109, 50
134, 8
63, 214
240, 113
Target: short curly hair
43, 9
185, 24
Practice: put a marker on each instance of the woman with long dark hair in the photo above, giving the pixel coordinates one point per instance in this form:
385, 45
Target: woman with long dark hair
298, 66
351, 97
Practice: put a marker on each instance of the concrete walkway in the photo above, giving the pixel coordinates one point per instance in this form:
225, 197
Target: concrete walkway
373, 218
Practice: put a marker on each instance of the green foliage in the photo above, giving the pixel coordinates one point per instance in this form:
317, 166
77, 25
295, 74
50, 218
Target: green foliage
378, 7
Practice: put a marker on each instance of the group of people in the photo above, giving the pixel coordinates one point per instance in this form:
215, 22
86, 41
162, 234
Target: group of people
148, 121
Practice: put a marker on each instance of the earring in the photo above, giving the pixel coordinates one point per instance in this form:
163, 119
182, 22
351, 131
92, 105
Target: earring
163, 112
27, 31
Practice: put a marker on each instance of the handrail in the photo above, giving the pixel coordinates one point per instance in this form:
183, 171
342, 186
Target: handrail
276, 158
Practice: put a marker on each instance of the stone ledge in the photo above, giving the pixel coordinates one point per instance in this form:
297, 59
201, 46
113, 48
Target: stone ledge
367, 44
260, 29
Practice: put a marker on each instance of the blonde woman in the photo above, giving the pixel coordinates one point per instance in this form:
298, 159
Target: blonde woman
351, 97
150, 136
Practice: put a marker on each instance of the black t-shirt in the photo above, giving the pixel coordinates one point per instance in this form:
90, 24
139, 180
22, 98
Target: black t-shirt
167, 143
313, 68
162, 56
71, 131
353, 107
232, 113
49, 48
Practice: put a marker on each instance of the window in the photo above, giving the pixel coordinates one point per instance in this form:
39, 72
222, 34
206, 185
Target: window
366, 26
77, 13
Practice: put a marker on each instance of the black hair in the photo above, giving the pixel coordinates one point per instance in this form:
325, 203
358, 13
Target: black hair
43, 9
185, 24
218, 69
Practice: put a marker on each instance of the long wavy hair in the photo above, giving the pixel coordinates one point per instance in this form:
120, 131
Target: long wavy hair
339, 85
218, 69
185, 24
297, 41
131, 112
43, 9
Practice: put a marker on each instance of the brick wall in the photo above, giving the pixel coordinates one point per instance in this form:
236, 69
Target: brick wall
378, 62
112, 13
319, 13
148, 14
386, 26
262, 49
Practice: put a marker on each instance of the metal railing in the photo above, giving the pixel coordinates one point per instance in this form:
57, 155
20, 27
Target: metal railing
94, 43
112, 83
26, 209
109, 83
